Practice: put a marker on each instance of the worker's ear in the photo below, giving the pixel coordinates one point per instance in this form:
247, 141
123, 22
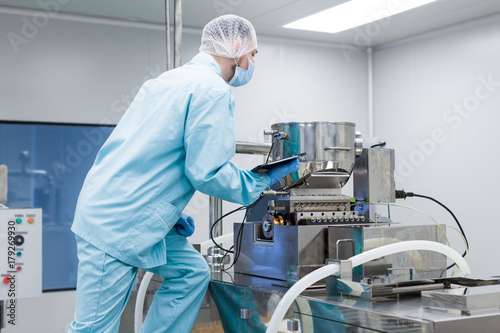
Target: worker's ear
241, 61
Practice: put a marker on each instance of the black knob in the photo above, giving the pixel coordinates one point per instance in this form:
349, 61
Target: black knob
19, 240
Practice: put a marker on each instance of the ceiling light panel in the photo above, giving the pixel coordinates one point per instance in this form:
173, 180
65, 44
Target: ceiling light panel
353, 14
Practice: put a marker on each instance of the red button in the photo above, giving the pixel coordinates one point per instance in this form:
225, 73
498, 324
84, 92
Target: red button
19, 268
6, 280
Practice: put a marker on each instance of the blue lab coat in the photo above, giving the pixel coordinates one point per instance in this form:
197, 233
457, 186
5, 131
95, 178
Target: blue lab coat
176, 137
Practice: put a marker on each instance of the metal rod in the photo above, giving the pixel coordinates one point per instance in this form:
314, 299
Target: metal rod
272, 193
215, 212
177, 33
252, 148
167, 34
215, 204
371, 124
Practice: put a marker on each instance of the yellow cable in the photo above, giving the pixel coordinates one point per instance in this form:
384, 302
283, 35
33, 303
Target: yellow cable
463, 238
408, 207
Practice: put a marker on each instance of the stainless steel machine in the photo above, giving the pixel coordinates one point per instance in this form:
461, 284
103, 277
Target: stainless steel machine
310, 221
306, 222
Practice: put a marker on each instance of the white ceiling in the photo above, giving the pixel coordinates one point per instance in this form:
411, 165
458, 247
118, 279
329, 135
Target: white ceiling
269, 16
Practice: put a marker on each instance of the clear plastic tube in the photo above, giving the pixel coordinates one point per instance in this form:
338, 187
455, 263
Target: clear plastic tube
463, 238
357, 260
410, 208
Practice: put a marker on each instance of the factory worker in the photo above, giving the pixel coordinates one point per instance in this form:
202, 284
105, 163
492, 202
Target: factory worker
176, 137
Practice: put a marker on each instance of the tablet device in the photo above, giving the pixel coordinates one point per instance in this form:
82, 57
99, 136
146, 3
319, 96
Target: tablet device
266, 166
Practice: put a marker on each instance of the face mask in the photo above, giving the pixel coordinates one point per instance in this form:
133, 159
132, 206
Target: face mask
242, 76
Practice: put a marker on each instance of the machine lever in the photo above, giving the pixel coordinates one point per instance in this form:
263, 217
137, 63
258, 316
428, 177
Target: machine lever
339, 148
347, 245
277, 134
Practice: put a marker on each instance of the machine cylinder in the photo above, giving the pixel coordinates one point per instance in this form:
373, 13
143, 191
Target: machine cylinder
330, 151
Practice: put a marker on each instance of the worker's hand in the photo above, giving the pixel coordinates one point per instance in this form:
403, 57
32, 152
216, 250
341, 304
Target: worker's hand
185, 225
280, 171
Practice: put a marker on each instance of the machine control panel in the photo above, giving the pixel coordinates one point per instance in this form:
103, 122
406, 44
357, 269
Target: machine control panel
20, 253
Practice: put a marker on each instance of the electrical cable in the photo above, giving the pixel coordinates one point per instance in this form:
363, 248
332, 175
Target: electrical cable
225, 215
239, 238
463, 238
403, 195
381, 145
225, 254
230, 276
217, 221
407, 207
424, 213
270, 149
410, 194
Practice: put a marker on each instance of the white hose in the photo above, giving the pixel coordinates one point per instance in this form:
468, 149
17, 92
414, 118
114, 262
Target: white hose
357, 260
139, 302
143, 287
219, 240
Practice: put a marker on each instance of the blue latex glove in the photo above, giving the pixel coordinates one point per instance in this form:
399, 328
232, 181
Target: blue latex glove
185, 225
280, 171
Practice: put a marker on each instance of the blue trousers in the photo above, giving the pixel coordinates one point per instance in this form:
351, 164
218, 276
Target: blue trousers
105, 283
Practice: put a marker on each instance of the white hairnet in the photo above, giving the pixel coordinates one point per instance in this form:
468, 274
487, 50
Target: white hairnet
228, 36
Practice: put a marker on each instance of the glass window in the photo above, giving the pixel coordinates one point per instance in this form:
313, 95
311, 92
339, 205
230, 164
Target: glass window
47, 164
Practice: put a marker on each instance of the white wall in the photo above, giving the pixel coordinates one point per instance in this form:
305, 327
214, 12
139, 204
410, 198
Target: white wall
88, 73
72, 71
81, 72
440, 152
